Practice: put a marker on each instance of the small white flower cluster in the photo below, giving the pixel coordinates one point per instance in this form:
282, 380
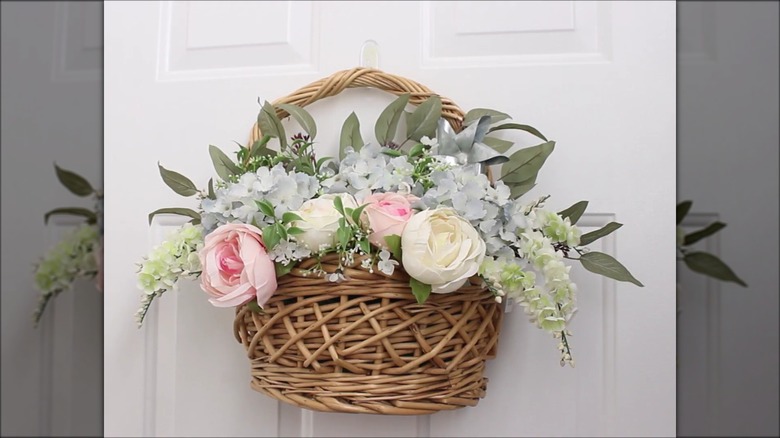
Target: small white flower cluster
175, 258
288, 251
236, 202
369, 170
70, 259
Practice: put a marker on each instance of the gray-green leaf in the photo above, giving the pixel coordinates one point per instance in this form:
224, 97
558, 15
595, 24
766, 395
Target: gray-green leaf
211, 194
527, 128
350, 135
424, 119
701, 234
224, 166
593, 236
526, 163
574, 213
74, 182
302, 117
682, 210
474, 115
270, 124
177, 182
180, 211
708, 264
420, 290
606, 265
72, 211
387, 123
499, 145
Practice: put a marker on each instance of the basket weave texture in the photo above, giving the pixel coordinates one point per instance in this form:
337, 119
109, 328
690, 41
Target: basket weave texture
364, 345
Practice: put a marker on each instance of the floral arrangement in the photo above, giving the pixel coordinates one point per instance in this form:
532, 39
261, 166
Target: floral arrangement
80, 253
424, 199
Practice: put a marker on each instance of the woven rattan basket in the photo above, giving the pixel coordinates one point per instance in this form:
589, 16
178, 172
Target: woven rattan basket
365, 345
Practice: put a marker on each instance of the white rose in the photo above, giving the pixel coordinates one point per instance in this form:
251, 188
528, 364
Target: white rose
441, 249
320, 221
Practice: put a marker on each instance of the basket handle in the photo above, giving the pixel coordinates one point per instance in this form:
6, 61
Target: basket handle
360, 77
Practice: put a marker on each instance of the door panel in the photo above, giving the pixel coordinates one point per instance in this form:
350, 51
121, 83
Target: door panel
593, 76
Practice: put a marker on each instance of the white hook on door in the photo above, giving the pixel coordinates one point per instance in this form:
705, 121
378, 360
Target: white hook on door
369, 54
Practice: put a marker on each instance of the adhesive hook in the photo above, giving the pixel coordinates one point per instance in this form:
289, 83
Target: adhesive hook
369, 54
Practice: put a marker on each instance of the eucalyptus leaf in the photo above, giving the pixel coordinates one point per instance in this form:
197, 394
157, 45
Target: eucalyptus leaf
350, 135
420, 290
71, 211
260, 147
593, 236
527, 128
708, 264
682, 210
270, 124
606, 265
302, 117
211, 194
423, 120
705, 232
499, 145
394, 245
180, 211
177, 182
387, 123
476, 113
224, 166
517, 190
74, 182
574, 212
526, 163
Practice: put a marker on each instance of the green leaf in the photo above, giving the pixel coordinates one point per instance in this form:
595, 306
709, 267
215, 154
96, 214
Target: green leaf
526, 163
282, 269
701, 234
517, 190
270, 124
343, 236
72, 211
211, 194
416, 150
270, 237
593, 236
708, 264
289, 216
394, 245
74, 182
294, 230
574, 212
499, 145
224, 166
420, 290
606, 265
365, 246
476, 113
350, 135
518, 126
355, 214
281, 230
682, 210
266, 208
260, 147
180, 211
302, 117
387, 123
392, 153
424, 119
338, 204
177, 182
253, 306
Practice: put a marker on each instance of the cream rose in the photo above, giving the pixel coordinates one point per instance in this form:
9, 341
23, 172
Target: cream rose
387, 214
236, 267
441, 249
320, 220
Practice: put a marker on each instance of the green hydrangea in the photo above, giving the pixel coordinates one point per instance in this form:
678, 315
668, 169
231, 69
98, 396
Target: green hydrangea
70, 259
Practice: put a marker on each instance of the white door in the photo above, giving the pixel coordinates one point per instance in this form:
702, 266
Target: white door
51, 67
597, 77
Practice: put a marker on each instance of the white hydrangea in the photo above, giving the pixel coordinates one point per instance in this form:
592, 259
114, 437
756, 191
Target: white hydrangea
175, 258
362, 172
236, 202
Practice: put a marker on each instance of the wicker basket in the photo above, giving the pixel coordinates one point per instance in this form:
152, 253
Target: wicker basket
365, 345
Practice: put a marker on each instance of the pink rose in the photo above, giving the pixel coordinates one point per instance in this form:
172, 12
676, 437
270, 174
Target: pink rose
387, 215
236, 267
